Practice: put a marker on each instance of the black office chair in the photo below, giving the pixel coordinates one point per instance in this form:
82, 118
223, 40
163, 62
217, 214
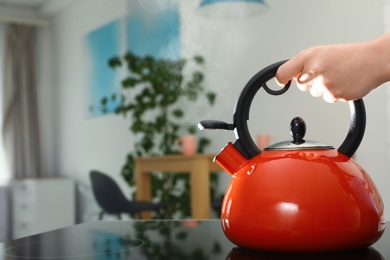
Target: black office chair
216, 205
112, 201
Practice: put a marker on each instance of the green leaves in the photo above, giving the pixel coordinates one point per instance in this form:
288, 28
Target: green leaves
151, 94
199, 59
129, 83
211, 96
178, 113
202, 144
114, 62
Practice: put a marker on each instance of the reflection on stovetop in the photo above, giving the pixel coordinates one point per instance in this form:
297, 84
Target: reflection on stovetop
165, 239
118, 240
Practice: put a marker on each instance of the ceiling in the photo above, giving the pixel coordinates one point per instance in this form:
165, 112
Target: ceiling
25, 3
20, 10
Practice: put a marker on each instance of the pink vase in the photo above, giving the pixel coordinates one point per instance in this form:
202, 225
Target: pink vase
186, 144
263, 140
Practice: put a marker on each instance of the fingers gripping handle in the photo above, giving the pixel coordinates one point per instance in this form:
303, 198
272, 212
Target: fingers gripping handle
245, 143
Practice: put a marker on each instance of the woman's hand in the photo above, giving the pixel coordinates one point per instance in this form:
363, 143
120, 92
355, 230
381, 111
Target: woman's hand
339, 72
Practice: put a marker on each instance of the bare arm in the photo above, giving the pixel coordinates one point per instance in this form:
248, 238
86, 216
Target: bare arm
340, 72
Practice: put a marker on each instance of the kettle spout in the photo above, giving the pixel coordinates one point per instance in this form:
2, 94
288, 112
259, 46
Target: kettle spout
230, 159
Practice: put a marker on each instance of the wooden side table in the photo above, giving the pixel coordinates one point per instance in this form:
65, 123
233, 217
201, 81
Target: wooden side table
198, 166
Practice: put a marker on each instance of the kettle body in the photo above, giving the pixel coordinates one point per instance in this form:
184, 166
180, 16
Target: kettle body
275, 202
298, 195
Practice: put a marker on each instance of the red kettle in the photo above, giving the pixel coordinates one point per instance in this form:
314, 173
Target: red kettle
298, 195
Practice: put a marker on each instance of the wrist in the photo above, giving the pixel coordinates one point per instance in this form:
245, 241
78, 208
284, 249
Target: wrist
379, 51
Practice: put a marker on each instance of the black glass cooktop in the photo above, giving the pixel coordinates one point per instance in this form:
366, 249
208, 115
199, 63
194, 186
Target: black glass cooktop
166, 239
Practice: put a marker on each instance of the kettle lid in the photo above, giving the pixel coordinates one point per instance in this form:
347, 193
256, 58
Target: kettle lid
307, 145
297, 132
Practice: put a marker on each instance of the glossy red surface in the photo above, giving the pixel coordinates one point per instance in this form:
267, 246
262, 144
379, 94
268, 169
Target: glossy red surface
300, 201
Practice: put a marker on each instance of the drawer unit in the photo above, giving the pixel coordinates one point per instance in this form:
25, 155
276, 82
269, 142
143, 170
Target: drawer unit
40, 205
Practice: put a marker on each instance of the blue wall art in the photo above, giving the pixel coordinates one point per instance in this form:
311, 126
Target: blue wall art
151, 27
103, 44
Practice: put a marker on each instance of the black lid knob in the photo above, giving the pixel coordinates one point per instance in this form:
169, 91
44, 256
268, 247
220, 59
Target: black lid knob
297, 130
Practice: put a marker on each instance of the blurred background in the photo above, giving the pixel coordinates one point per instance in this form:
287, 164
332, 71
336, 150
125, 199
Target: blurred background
73, 140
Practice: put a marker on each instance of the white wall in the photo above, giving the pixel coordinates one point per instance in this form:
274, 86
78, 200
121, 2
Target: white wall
79, 142
234, 51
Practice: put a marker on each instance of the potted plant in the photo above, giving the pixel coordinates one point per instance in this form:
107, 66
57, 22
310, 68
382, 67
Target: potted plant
155, 96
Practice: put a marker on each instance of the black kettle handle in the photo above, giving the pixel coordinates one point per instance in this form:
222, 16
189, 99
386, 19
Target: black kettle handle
245, 143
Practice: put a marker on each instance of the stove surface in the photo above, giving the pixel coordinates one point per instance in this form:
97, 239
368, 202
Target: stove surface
160, 239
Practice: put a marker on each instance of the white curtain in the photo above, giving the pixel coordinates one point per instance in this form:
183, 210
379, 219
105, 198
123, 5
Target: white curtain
19, 141
5, 203
4, 173
20, 111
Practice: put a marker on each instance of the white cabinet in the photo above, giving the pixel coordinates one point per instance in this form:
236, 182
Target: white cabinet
40, 205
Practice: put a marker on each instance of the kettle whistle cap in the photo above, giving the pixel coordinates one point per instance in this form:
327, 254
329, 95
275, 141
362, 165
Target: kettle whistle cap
297, 132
